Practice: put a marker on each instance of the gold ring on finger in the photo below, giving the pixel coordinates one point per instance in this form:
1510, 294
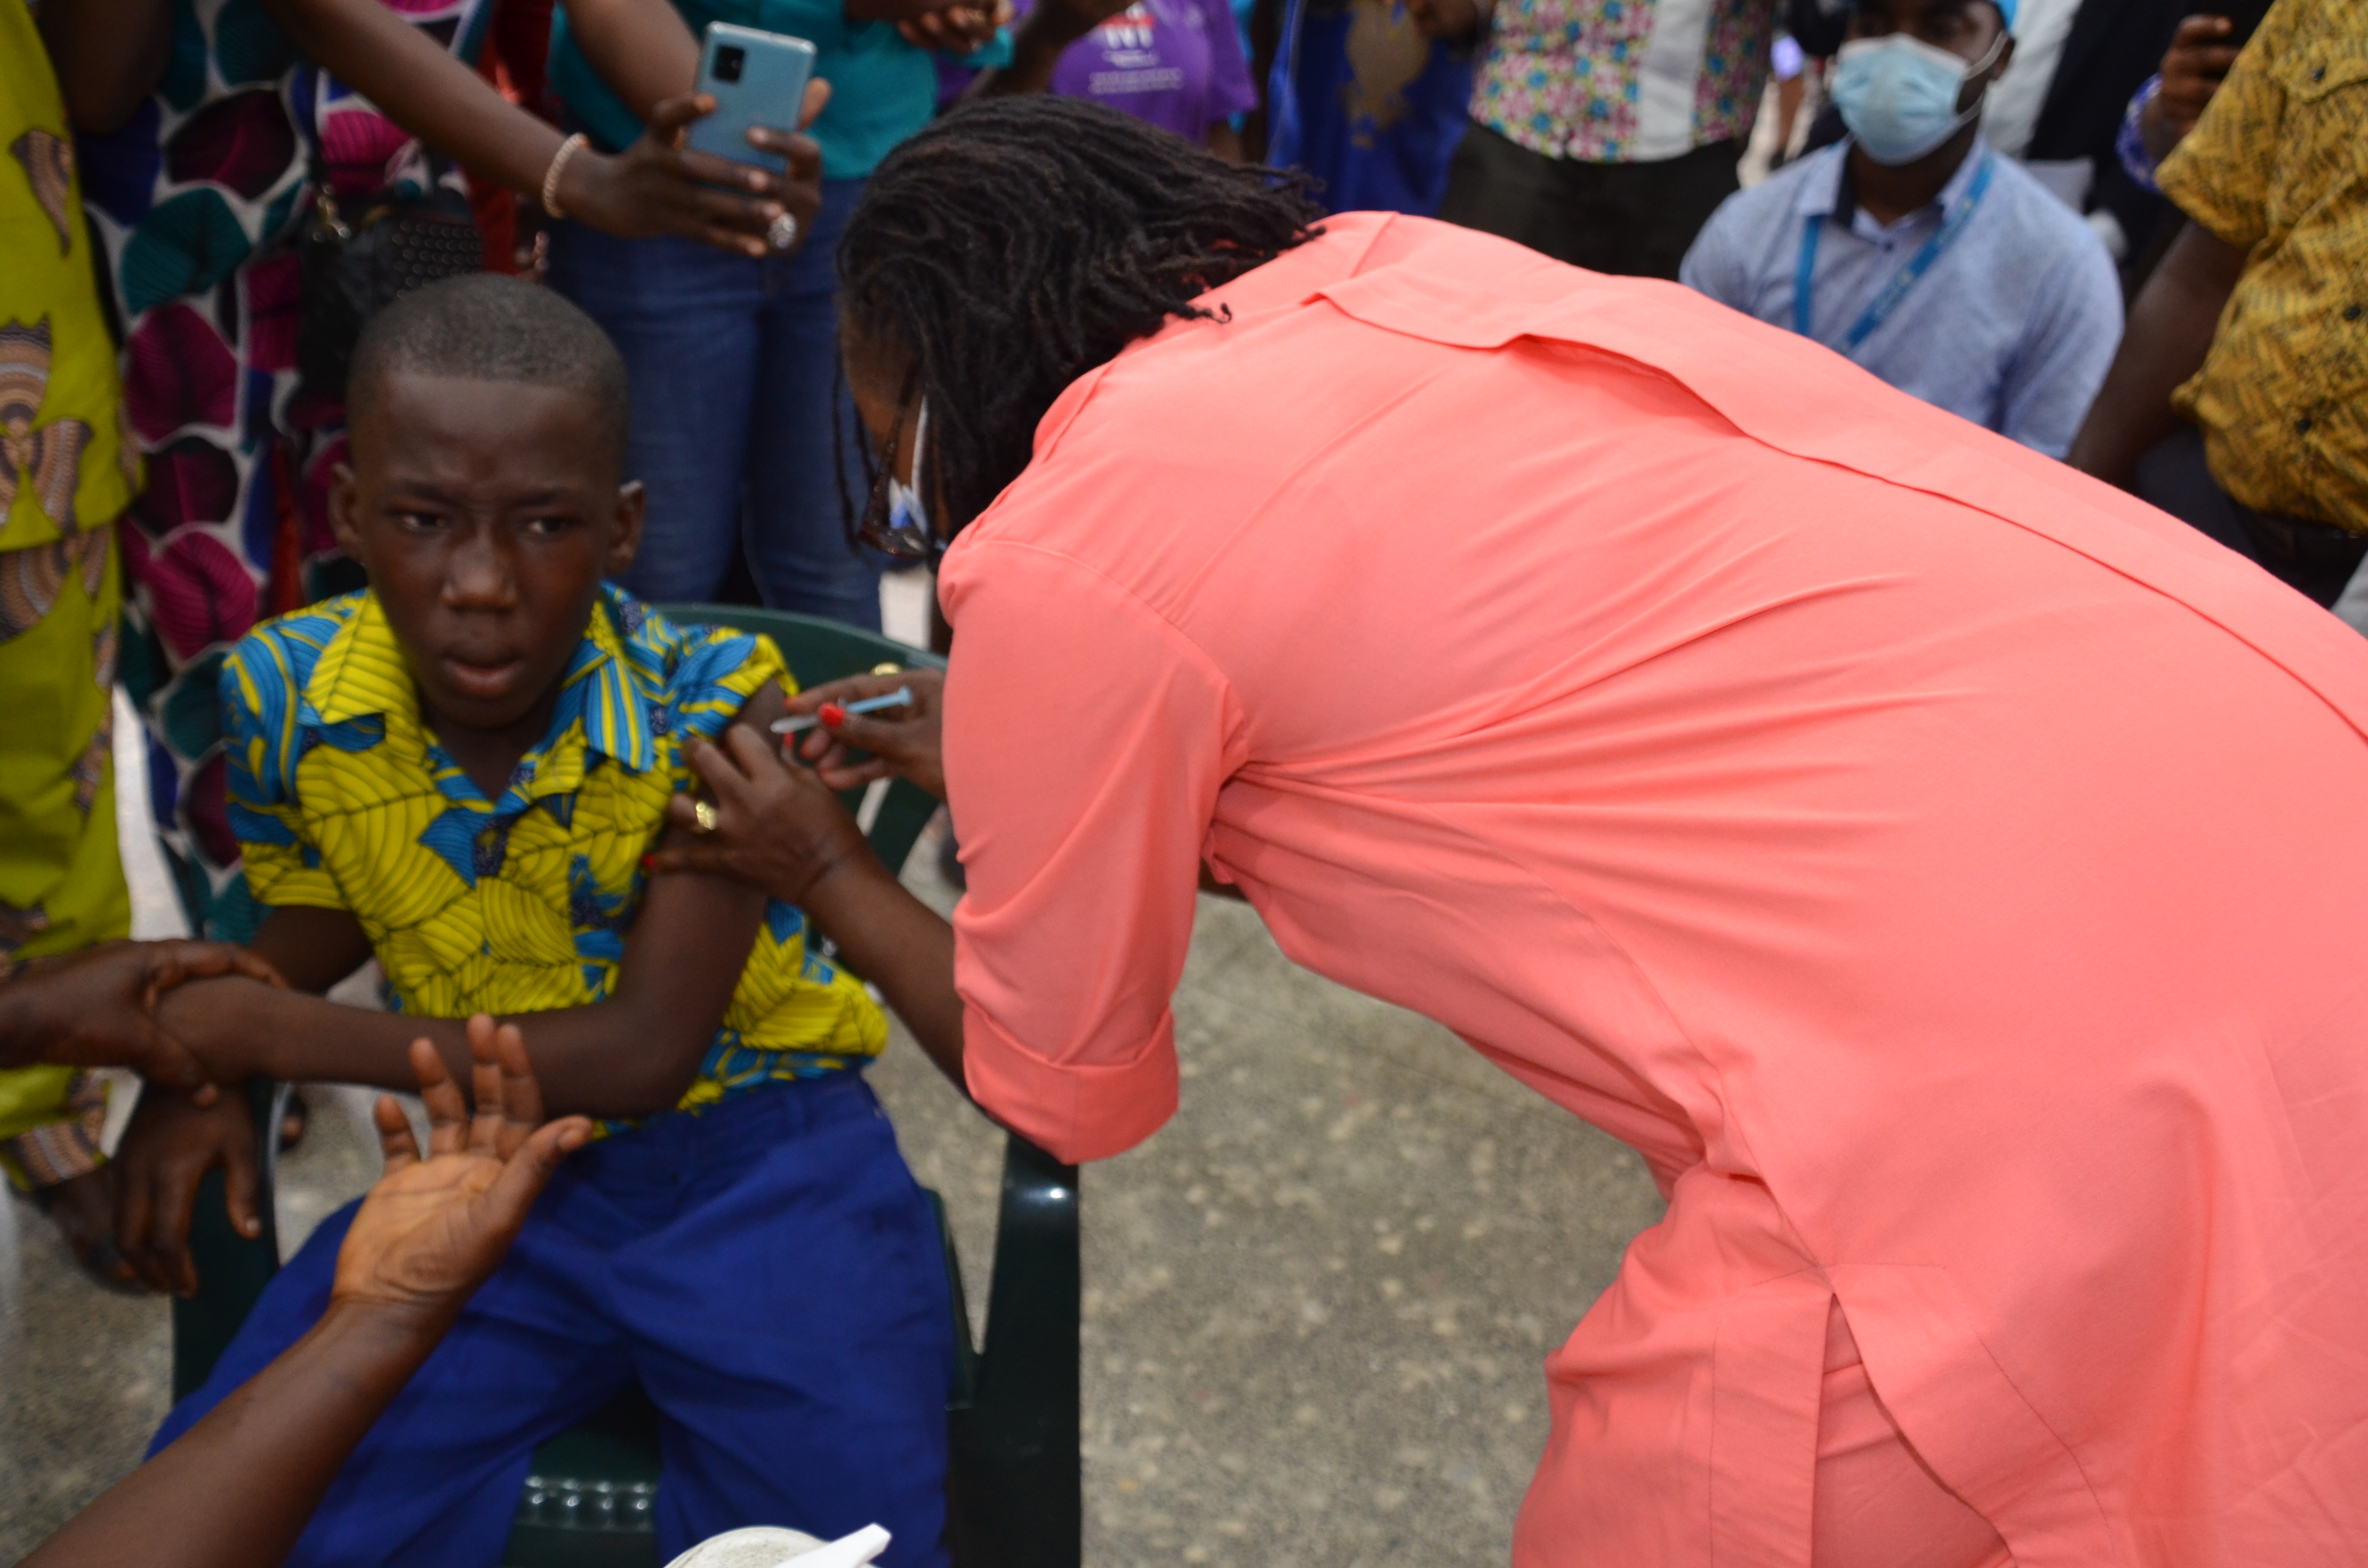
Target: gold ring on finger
702, 816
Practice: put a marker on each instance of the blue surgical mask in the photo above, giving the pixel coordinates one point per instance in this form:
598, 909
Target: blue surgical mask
1898, 94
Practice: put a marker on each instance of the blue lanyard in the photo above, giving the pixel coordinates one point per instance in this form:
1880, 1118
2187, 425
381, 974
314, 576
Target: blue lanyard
1879, 312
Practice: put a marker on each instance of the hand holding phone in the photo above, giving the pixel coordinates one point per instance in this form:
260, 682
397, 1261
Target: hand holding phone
757, 80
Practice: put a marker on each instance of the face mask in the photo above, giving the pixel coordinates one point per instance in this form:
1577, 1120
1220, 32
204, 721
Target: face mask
1898, 94
905, 512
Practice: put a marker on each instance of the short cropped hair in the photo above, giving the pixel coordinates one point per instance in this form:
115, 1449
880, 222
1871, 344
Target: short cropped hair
486, 327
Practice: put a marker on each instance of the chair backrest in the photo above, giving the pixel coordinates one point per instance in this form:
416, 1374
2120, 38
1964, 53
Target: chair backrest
818, 651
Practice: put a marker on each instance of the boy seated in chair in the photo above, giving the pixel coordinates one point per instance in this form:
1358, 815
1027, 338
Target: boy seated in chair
463, 771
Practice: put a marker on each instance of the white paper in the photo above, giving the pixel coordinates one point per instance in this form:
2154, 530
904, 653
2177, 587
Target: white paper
846, 1551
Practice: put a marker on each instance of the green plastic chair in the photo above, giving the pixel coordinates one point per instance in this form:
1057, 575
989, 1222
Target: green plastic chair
1015, 1481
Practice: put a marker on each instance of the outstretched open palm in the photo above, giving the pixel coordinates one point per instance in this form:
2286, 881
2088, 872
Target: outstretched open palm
433, 1228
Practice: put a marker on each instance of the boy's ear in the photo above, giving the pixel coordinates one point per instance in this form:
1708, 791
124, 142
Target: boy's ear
343, 521
632, 506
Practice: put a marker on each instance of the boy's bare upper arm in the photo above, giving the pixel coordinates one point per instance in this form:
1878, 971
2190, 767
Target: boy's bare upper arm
691, 939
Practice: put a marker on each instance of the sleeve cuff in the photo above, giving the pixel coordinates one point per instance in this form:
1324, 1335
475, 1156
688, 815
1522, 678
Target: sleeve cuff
2129, 147
1072, 1113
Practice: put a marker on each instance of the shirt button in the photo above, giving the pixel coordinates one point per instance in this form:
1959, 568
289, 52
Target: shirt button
2319, 75
2350, 313
2302, 426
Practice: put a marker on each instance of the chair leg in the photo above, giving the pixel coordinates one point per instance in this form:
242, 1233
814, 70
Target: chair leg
1019, 1480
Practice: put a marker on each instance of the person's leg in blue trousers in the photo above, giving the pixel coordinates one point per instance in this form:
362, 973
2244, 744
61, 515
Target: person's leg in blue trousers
436, 1483
767, 1268
793, 1325
685, 317
797, 529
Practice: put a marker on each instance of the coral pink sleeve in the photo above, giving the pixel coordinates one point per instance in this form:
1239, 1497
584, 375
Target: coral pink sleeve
1082, 799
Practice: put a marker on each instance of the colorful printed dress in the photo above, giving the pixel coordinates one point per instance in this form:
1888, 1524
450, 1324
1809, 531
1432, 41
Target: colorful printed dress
66, 476
196, 202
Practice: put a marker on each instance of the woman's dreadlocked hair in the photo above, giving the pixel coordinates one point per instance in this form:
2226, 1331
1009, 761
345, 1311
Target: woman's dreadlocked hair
1019, 242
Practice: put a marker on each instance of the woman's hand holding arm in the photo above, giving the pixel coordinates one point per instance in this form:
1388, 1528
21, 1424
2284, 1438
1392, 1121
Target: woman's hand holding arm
96, 1007
239, 1487
780, 828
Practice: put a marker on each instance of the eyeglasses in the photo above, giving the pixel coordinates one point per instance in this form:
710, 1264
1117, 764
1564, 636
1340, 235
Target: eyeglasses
908, 537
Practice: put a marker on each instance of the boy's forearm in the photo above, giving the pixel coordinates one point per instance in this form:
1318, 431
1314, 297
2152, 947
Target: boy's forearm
241, 1030
239, 1487
605, 1060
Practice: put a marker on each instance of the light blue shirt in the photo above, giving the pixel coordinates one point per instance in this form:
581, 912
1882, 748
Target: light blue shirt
2012, 328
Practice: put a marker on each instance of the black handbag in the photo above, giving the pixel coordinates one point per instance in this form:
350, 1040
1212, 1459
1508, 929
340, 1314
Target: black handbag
357, 258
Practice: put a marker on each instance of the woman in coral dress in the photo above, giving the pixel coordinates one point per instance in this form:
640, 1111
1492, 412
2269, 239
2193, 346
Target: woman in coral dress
1948, 873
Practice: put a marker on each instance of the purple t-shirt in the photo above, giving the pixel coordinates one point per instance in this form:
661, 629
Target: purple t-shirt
1177, 64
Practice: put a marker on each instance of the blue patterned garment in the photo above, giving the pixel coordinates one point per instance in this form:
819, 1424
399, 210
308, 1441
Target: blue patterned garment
342, 799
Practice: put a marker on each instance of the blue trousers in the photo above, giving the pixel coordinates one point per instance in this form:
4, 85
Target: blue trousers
734, 368
769, 1271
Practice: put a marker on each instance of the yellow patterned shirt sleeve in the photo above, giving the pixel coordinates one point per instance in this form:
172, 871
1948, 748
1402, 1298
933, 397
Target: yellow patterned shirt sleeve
2220, 174
282, 866
2277, 166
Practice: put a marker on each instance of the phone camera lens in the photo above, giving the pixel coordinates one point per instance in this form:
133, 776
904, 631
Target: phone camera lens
729, 60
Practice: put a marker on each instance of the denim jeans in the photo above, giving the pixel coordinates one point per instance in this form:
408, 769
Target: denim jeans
734, 367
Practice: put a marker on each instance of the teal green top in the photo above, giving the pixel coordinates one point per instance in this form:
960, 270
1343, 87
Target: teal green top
881, 88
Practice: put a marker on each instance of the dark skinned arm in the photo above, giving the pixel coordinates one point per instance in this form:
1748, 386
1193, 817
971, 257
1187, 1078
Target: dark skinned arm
645, 52
1036, 47
654, 186
238, 1488
632, 1055
422, 87
2170, 332
780, 829
96, 1007
642, 49
108, 54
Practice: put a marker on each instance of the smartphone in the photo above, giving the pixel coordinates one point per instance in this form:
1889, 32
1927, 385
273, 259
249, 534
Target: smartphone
757, 78
2246, 13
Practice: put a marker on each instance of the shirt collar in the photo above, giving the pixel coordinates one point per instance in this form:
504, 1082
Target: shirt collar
613, 692
1821, 193
362, 673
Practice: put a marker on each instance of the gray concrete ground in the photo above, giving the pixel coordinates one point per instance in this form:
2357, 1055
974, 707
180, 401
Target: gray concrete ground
1316, 1303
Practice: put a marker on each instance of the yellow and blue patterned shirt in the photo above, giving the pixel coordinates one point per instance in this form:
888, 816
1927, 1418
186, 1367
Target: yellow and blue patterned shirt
343, 800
